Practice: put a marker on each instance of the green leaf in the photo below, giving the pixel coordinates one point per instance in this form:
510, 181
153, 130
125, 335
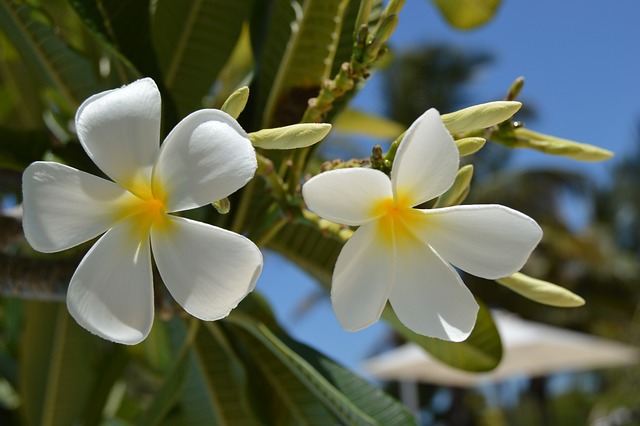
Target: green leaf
58, 369
174, 379
124, 28
54, 62
482, 351
348, 29
354, 121
216, 384
193, 40
467, 14
294, 54
21, 103
348, 397
277, 392
384, 409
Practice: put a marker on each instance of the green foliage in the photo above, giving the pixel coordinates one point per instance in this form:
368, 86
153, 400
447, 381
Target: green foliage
297, 56
193, 40
60, 370
294, 52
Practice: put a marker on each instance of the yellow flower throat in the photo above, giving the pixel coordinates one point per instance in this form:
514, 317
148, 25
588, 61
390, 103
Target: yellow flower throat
144, 209
396, 218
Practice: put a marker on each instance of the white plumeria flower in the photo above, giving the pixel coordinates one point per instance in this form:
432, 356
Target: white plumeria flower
403, 254
207, 156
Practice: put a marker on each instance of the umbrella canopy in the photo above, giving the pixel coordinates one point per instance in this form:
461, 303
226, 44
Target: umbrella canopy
531, 349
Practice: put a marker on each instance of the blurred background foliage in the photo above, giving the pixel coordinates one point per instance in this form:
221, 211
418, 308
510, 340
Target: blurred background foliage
245, 369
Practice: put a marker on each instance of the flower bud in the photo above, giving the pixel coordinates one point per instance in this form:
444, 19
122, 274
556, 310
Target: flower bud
290, 137
236, 102
468, 146
459, 190
541, 291
526, 138
480, 116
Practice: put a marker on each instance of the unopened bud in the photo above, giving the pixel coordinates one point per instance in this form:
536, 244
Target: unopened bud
458, 191
541, 291
236, 102
290, 137
480, 116
468, 146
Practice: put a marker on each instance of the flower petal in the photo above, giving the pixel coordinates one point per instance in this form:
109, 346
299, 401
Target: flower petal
111, 292
120, 130
489, 241
362, 279
429, 297
205, 158
208, 270
347, 196
64, 207
426, 162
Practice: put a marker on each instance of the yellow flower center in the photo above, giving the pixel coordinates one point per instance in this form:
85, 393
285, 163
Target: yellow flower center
144, 209
396, 218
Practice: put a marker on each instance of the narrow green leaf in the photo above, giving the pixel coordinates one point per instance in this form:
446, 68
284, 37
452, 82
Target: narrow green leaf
467, 14
58, 366
295, 54
21, 103
354, 121
257, 319
331, 397
124, 28
216, 384
193, 40
349, 27
482, 351
55, 63
174, 379
379, 406
277, 392
541, 291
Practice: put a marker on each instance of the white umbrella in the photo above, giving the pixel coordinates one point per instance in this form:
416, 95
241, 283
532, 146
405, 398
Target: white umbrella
530, 349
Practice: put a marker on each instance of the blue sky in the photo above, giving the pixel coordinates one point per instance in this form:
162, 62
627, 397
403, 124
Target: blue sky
581, 62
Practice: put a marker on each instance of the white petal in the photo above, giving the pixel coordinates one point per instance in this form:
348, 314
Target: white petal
64, 207
111, 292
208, 270
429, 297
489, 241
120, 130
426, 162
205, 158
347, 196
362, 279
